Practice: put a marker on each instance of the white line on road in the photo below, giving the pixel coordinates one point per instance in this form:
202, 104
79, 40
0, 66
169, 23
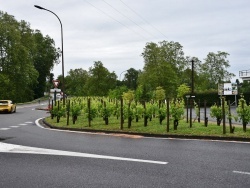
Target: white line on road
14, 126
11, 148
240, 172
22, 124
4, 129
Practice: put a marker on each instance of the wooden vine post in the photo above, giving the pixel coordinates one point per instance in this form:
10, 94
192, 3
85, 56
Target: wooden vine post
168, 118
122, 114
89, 112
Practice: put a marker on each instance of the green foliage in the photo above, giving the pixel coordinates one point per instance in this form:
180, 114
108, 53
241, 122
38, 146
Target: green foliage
163, 63
216, 111
159, 93
130, 78
215, 67
151, 112
117, 92
106, 110
137, 110
58, 111
128, 96
182, 90
100, 80
177, 109
75, 110
129, 112
243, 111
75, 82
162, 111
26, 58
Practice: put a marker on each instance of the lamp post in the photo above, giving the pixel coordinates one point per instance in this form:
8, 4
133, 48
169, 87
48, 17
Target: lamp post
121, 74
63, 89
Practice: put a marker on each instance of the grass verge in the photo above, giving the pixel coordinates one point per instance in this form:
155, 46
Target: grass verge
153, 127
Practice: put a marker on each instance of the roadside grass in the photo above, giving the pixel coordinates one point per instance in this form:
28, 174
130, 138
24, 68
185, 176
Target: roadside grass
153, 127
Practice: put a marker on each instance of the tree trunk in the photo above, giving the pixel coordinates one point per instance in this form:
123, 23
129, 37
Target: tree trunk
145, 121
244, 126
161, 119
74, 119
129, 122
106, 120
218, 121
57, 119
176, 122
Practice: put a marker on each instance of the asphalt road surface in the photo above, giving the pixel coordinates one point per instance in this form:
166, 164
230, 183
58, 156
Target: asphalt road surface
31, 156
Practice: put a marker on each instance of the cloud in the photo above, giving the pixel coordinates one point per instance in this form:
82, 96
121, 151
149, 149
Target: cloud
116, 31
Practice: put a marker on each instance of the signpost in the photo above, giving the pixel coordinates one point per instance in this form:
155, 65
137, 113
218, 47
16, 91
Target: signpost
228, 89
54, 91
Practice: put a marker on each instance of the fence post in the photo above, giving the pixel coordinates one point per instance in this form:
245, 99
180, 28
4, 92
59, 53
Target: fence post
191, 108
121, 113
68, 109
223, 115
205, 113
167, 114
89, 116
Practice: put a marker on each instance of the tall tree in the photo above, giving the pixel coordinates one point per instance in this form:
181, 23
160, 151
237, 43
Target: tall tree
75, 82
100, 80
26, 58
131, 78
45, 55
215, 68
16, 62
163, 64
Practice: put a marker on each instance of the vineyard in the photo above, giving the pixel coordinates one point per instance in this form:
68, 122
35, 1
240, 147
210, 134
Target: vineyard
155, 117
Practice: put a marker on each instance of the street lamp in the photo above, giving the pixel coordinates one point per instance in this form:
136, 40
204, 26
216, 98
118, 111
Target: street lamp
62, 49
121, 74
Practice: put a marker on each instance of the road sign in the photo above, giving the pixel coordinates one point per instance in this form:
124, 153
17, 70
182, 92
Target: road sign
56, 83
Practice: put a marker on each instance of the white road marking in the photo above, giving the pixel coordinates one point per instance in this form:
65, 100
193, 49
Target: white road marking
4, 129
38, 124
22, 124
240, 172
29, 122
12, 148
14, 126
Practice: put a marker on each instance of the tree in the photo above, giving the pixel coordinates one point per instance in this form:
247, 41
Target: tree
182, 90
214, 69
75, 82
100, 80
45, 55
164, 64
131, 78
15, 59
26, 58
117, 92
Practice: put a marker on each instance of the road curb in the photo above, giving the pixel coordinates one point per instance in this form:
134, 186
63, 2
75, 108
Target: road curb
47, 125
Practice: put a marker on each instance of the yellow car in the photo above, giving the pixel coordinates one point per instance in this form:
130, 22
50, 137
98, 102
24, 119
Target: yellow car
7, 106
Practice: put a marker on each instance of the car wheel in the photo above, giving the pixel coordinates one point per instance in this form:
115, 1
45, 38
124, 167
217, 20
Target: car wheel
14, 110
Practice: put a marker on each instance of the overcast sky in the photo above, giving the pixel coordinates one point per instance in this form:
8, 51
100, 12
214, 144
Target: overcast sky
116, 31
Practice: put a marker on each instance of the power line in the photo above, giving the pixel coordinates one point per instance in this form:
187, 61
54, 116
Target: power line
143, 19
115, 20
128, 18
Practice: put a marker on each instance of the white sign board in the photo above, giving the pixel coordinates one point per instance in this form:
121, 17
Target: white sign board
227, 89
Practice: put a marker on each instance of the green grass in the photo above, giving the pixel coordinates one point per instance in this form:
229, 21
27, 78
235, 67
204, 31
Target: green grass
154, 127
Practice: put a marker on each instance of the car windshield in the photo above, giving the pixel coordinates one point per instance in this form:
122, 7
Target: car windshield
3, 102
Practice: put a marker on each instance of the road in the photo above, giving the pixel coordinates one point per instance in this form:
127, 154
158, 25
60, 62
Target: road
31, 156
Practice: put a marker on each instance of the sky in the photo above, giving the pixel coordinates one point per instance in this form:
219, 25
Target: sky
115, 32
